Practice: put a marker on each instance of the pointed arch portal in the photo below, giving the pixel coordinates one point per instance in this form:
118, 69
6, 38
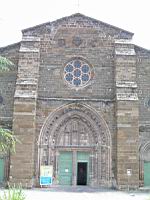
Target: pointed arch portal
73, 138
144, 167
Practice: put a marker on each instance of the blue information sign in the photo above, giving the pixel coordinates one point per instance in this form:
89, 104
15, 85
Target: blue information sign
45, 180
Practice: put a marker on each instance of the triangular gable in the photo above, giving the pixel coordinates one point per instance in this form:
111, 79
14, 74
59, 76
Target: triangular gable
83, 21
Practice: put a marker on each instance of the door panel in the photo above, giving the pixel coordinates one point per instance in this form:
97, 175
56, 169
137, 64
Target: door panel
147, 174
65, 168
1, 170
83, 156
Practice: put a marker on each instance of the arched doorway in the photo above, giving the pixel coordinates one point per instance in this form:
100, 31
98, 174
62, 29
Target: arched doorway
145, 164
1, 170
73, 139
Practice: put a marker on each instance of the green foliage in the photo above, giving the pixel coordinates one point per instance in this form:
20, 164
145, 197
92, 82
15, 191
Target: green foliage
5, 64
7, 141
13, 193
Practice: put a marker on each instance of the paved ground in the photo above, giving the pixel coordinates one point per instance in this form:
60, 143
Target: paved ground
82, 193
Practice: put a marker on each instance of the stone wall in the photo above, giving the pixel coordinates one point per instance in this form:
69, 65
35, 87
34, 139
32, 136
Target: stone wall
54, 58
7, 85
11, 52
143, 79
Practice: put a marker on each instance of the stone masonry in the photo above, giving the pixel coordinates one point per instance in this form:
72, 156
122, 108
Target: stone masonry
127, 114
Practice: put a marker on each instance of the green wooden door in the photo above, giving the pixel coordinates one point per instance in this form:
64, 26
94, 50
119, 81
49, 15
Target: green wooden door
65, 168
1, 170
147, 174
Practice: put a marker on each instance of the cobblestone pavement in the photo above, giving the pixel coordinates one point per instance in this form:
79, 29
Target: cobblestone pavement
82, 193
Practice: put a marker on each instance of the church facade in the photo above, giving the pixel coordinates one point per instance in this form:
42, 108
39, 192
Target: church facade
78, 99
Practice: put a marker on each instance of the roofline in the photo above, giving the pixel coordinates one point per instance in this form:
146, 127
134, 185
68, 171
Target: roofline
76, 14
105, 23
148, 50
36, 26
9, 46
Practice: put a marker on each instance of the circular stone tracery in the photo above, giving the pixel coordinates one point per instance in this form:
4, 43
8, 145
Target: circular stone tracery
78, 73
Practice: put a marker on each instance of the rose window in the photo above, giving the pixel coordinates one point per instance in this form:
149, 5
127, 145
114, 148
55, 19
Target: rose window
78, 73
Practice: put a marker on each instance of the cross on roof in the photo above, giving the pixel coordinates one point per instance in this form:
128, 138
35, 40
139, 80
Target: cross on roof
78, 5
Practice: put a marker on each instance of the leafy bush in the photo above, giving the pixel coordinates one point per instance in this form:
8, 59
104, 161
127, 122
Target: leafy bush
7, 140
13, 193
5, 64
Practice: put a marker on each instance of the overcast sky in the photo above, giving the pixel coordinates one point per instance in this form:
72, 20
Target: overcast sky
131, 15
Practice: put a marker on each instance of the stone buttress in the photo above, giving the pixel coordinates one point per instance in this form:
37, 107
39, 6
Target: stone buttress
127, 115
22, 162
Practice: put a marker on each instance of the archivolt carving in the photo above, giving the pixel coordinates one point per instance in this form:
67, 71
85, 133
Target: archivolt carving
144, 156
77, 112
145, 152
